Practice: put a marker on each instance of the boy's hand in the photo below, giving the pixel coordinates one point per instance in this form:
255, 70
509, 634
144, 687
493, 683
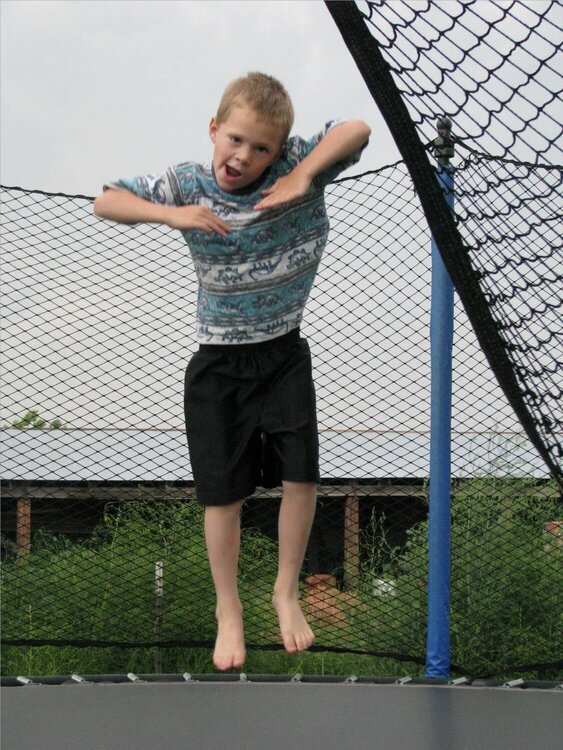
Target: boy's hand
127, 208
340, 142
288, 188
197, 217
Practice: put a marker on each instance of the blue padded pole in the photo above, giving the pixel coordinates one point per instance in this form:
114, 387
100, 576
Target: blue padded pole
439, 531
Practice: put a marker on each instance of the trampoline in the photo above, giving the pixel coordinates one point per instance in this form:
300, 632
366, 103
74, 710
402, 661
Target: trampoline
206, 712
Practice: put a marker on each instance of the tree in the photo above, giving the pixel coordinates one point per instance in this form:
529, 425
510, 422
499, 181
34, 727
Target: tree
32, 421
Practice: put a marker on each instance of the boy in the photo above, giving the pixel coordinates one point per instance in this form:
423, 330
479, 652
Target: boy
256, 225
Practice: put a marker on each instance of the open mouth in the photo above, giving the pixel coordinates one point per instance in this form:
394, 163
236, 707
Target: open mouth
232, 172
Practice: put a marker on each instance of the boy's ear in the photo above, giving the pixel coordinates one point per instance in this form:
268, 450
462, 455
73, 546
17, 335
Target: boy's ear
213, 129
282, 147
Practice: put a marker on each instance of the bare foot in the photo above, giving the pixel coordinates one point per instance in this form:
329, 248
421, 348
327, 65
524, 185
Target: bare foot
230, 651
295, 631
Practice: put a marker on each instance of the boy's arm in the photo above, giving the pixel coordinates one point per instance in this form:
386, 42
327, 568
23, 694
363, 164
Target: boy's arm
125, 207
339, 143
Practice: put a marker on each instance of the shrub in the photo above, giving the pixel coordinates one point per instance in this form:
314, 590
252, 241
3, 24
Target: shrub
505, 583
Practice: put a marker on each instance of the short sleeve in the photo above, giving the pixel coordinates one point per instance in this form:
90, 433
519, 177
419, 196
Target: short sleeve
298, 148
174, 187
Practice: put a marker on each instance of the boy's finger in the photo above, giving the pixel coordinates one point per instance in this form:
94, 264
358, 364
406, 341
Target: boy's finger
218, 223
263, 204
214, 219
215, 225
274, 200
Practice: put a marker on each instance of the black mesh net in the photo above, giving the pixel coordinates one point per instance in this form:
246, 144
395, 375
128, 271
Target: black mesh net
103, 540
492, 69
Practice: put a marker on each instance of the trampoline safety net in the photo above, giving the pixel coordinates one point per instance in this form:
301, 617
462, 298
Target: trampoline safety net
102, 539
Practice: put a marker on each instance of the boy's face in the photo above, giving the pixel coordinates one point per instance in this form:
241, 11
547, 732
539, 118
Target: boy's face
245, 146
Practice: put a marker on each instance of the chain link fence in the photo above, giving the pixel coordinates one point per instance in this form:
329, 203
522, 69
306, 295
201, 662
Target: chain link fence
102, 535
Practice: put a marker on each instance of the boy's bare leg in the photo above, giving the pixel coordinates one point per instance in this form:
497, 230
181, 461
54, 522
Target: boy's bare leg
222, 536
294, 527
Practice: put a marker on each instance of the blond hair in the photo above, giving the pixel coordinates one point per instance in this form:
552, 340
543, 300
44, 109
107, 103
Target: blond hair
262, 93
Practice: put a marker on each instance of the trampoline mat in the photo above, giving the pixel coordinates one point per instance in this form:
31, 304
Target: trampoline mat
278, 716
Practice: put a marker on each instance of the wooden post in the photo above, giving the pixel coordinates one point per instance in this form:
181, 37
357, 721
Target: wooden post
23, 529
351, 541
159, 596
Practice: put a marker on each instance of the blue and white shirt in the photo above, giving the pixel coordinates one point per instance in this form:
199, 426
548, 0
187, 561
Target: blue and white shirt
253, 283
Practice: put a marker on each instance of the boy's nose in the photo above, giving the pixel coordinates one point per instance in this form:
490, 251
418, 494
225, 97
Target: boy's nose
244, 155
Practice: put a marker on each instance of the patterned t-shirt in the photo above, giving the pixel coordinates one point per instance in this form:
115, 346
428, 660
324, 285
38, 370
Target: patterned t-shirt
253, 283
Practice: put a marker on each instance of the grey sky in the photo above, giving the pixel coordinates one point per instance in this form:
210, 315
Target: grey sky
98, 89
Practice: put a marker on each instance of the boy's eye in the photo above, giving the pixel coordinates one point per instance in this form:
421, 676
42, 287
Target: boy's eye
262, 149
235, 139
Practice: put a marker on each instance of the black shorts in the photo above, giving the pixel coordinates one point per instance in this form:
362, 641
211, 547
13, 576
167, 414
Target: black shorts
250, 418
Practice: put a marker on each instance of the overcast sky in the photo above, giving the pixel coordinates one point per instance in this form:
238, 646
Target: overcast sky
98, 89
93, 90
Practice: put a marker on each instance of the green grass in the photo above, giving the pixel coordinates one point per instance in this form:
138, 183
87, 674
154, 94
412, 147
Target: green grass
48, 660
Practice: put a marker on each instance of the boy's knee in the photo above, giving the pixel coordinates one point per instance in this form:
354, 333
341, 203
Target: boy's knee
228, 509
307, 489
